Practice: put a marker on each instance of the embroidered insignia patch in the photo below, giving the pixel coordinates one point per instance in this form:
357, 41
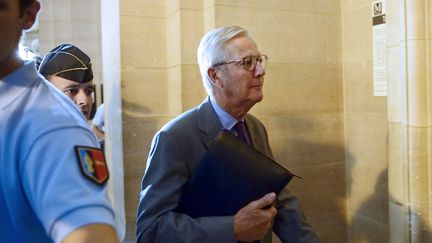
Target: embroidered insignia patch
92, 164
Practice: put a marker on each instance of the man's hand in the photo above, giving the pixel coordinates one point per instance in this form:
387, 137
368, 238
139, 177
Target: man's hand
252, 221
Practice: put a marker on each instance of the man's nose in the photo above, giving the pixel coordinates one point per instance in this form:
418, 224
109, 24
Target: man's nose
259, 70
81, 98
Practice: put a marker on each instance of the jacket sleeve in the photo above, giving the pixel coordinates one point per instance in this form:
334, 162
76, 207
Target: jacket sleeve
291, 225
166, 173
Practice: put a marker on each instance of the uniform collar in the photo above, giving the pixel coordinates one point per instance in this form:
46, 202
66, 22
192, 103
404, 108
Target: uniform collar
12, 85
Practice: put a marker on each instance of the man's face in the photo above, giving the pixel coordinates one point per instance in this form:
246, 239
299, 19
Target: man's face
10, 30
80, 93
11, 25
240, 87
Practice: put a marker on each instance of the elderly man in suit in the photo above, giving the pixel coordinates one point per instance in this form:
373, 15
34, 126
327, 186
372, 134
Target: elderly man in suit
232, 70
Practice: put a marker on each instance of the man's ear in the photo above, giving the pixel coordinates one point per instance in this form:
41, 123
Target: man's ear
212, 74
30, 14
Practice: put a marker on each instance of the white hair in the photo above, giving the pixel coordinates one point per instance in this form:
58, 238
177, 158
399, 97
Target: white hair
212, 50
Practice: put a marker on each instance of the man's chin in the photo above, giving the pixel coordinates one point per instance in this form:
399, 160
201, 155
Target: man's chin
258, 97
259, 100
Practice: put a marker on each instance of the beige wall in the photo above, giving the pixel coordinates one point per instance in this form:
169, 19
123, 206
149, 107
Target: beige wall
143, 71
159, 78
302, 108
410, 122
388, 148
365, 130
76, 22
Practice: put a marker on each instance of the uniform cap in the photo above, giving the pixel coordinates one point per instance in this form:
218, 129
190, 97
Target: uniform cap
69, 62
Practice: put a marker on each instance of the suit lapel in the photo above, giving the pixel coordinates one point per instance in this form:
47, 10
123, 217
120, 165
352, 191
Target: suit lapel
256, 142
208, 123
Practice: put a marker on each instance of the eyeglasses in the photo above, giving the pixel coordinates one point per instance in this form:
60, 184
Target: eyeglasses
249, 62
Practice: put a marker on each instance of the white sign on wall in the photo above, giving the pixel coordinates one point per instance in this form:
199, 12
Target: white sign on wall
379, 43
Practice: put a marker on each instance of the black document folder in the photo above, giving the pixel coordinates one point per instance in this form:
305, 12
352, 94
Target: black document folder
230, 175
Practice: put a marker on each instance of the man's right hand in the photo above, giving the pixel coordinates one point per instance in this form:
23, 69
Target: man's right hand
252, 221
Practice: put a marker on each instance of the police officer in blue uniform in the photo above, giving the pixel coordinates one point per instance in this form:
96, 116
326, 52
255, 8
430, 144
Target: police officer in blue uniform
52, 175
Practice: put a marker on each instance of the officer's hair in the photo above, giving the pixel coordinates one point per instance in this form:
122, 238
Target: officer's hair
23, 4
212, 50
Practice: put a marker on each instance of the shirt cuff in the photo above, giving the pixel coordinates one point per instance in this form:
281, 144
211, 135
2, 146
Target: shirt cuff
75, 219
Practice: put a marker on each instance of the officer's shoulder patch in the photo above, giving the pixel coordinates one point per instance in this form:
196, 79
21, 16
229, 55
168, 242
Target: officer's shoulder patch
92, 163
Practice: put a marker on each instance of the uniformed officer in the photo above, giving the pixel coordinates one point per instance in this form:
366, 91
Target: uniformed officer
52, 176
69, 69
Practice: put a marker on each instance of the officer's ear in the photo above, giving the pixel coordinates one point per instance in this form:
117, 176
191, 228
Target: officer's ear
30, 14
213, 75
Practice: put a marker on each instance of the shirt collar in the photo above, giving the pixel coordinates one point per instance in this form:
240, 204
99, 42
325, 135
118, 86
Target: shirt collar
225, 118
18, 81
